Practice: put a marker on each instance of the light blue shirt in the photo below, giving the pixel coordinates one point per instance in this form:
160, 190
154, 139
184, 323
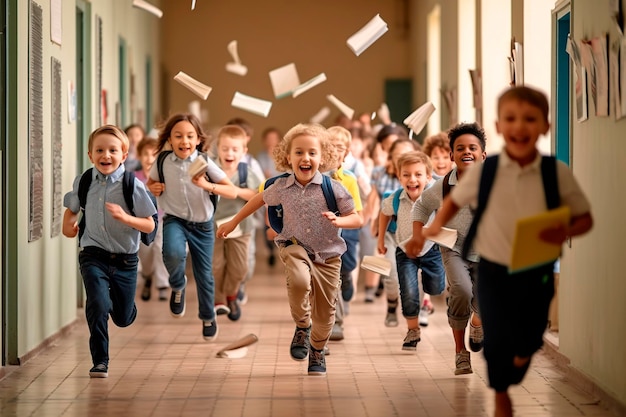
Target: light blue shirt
101, 229
181, 197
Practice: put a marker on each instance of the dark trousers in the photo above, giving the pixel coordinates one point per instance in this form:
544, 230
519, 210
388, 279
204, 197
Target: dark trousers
110, 280
514, 312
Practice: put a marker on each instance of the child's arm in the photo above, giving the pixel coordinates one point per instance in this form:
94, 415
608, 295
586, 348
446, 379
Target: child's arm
155, 187
143, 224
444, 215
251, 206
578, 225
415, 245
383, 222
70, 223
351, 220
247, 193
223, 188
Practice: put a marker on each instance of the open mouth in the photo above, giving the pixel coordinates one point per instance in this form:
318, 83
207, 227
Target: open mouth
305, 168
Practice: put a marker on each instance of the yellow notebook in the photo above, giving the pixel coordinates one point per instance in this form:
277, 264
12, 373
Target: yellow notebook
529, 251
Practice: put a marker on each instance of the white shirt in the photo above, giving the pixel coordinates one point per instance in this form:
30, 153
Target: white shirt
517, 192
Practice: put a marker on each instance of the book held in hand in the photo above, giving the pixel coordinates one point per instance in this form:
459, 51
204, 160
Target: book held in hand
418, 119
348, 111
237, 232
144, 5
367, 35
195, 86
251, 104
199, 166
446, 238
528, 250
377, 264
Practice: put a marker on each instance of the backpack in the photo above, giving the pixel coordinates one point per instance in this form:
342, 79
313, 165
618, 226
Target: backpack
242, 171
550, 190
128, 189
161, 158
445, 185
275, 213
393, 225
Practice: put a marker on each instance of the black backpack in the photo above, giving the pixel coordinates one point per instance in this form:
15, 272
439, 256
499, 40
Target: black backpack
128, 189
275, 213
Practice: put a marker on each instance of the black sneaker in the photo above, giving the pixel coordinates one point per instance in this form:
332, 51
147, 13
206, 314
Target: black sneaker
235, 309
99, 371
221, 309
145, 292
347, 288
300, 343
411, 339
177, 302
317, 362
209, 330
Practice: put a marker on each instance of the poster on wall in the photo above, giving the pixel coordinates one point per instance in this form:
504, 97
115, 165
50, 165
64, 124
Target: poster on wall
57, 147
580, 80
599, 46
56, 13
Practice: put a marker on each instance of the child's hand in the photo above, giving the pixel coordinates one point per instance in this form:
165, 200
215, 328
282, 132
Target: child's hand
430, 231
200, 181
382, 249
116, 211
332, 217
414, 246
270, 233
555, 235
225, 229
156, 188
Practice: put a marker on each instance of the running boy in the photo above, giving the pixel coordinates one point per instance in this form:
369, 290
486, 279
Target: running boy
467, 141
309, 244
415, 172
512, 331
109, 240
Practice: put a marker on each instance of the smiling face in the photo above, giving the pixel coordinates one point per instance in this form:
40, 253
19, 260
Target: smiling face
305, 156
106, 153
183, 139
467, 151
230, 151
398, 151
414, 177
520, 124
442, 164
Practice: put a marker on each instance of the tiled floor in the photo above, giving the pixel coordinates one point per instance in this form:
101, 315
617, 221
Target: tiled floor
161, 366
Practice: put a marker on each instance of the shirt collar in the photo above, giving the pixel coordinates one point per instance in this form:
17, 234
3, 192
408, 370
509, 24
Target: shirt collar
291, 180
115, 176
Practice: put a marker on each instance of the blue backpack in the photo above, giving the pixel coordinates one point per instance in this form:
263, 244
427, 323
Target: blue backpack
275, 213
393, 225
128, 189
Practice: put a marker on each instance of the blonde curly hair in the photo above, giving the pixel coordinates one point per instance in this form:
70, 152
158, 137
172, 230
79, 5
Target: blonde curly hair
330, 157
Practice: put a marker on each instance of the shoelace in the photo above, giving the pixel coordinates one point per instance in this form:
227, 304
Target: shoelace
178, 295
300, 338
411, 335
317, 358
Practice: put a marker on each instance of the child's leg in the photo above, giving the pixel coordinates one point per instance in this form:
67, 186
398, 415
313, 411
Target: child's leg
201, 239
298, 279
175, 250
219, 270
159, 272
236, 256
122, 289
392, 287
409, 295
323, 296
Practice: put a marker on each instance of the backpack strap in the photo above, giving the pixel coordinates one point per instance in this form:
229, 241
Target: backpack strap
396, 201
160, 160
242, 171
329, 195
83, 189
486, 182
274, 213
128, 189
445, 185
550, 182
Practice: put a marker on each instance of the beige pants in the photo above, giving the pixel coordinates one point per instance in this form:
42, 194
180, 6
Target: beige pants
230, 266
312, 289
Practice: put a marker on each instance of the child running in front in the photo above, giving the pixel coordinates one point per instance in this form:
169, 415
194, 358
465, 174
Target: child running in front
524, 184
415, 172
188, 218
309, 243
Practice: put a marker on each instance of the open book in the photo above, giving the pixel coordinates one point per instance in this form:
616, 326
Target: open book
376, 264
447, 238
197, 167
529, 251
348, 111
284, 80
251, 104
142, 4
236, 67
306, 86
367, 35
195, 86
418, 119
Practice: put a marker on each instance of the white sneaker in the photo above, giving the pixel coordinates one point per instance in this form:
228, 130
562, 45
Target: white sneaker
423, 316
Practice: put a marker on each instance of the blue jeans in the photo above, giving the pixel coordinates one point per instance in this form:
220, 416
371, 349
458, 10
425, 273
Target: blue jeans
433, 278
177, 234
110, 281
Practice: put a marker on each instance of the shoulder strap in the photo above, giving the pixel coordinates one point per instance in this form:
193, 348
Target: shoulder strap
329, 195
83, 189
446, 187
128, 189
271, 180
160, 160
242, 171
486, 182
550, 182
396, 200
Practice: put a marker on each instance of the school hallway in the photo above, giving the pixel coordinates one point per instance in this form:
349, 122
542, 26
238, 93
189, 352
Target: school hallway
161, 366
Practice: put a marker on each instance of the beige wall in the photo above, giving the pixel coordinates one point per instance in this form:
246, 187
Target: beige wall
274, 33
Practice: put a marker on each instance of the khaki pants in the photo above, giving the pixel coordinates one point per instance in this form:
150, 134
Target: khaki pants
230, 266
312, 289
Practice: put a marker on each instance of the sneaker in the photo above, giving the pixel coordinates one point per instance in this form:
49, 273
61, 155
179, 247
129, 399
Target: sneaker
221, 309
391, 320
99, 371
463, 363
369, 294
336, 333
163, 294
242, 295
317, 362
209, 330
347, 288
235, 310
381, 289
475, 338
145, 292
411, 339
177, 302
423, 316
300, 343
